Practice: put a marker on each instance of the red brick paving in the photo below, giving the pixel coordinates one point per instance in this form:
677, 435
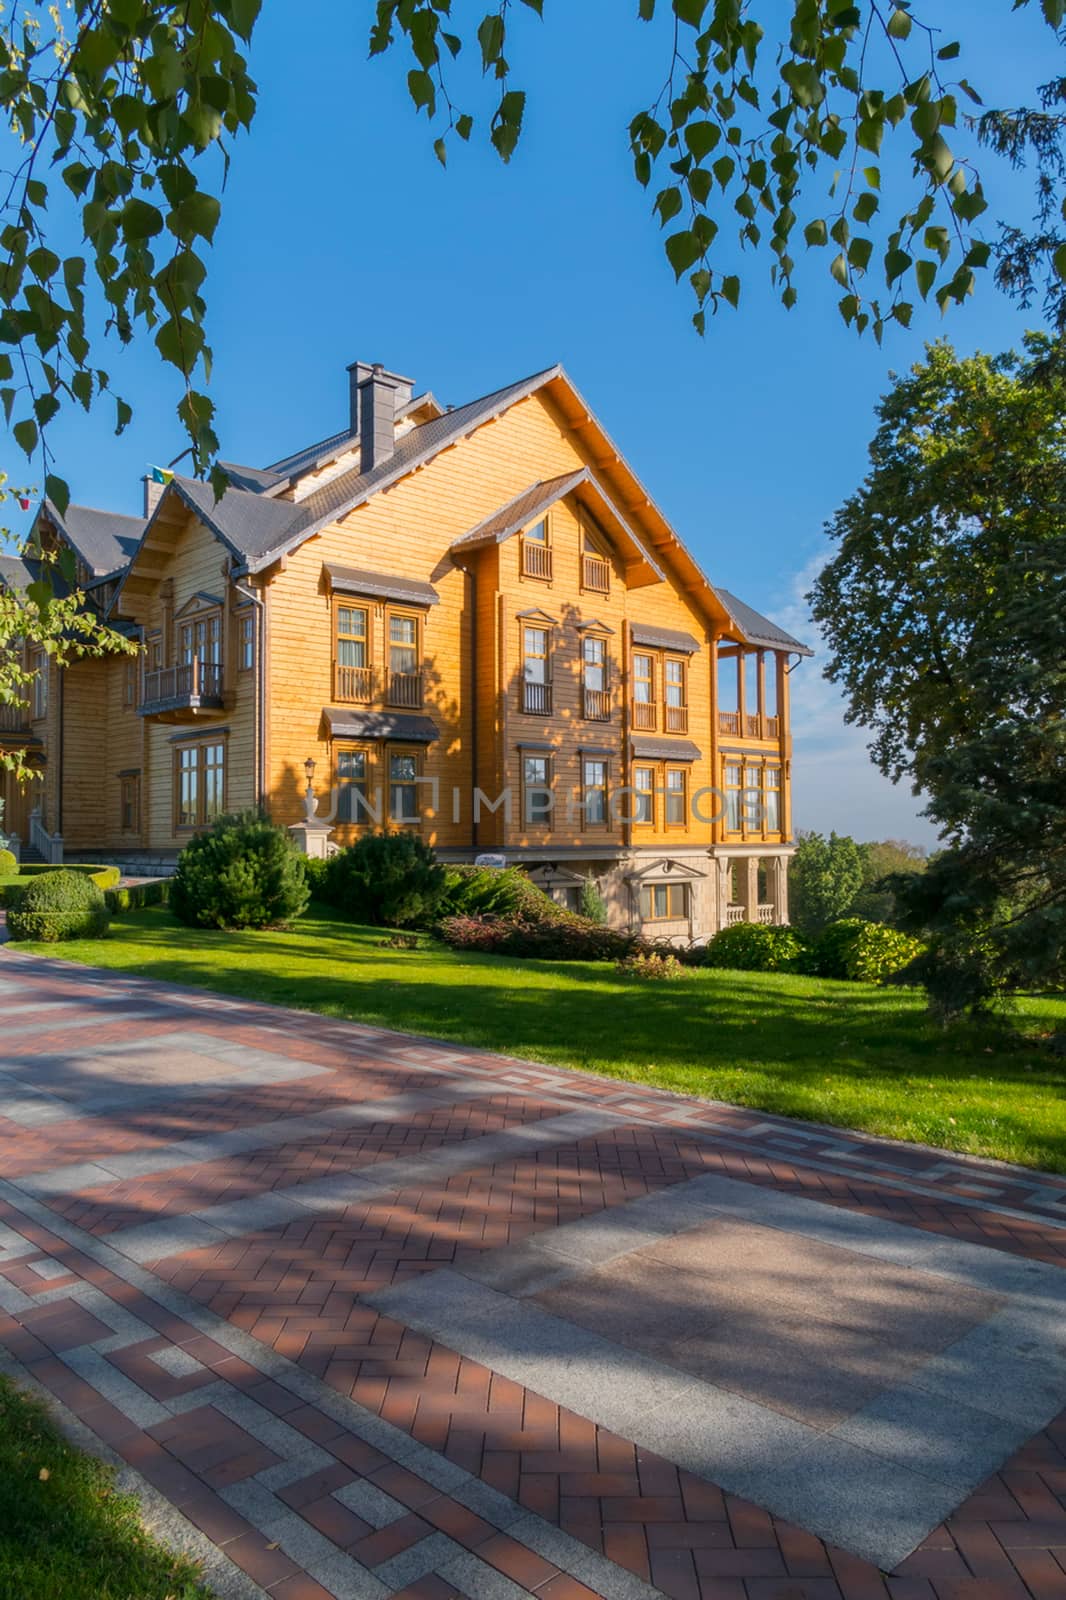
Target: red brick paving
296, 1289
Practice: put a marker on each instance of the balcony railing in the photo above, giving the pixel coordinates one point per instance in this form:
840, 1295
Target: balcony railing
405, 689
644, 715
537, 698
595, 574
765, 913
190, 686
536, 559
771, 727
15, 718
729, 722
597, 705
733, 914
751, 726
353, 683
677, 719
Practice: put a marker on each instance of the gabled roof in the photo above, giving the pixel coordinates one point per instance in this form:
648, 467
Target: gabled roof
518, 513
756, 629
258, 480
105, 540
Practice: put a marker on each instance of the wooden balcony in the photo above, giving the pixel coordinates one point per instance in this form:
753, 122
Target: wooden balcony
597, 705
354, 685
537, 698
405, 689
175, 694
15, 718
676, 719
645, 716
729, 722
536, 559
753, 727
596, 574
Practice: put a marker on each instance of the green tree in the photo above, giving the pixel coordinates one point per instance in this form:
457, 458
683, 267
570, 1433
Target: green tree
881, 859
824, 876
943, 610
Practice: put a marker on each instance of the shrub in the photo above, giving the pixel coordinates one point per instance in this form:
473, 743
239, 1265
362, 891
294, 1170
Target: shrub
593, 905
753, 947
135, 896
316, 868
572, 939
59, 905
651, 964
863, 951
8, 865
495, 892
245, 872
389, 879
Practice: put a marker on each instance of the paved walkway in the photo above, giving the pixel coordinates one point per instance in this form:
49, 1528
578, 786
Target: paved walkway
381, 1317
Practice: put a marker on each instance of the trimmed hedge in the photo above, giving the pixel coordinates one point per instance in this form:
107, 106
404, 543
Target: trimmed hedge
752, 947
135, 896
8, 864
13, 887
59, 905
860, 951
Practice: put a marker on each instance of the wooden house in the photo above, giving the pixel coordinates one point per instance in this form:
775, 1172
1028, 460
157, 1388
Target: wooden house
474, 622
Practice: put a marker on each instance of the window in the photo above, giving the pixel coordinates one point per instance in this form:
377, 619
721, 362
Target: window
405, 684
536, 689
403, 787
732, 798
351, 775
40, 684
536, 794
676, 710
675, 797
246, 641
351, 653
130, 802
201, 783
772, 799
644, 799
643, 679
129, 682
664, 902
201, 640
154, 659
594, 678
570, 899
594, 796
595, 568
536, 552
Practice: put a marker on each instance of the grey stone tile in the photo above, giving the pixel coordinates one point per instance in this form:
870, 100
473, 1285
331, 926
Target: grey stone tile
346, 1579
941, 1437
370, 1503
151, 1241
843, 1494
1022, 1388
253, 1214
478, 1581
122, 1392
428, 1555
67, 1180
178, 1362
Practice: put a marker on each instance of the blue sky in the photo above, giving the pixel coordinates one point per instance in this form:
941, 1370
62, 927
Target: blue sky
342, 237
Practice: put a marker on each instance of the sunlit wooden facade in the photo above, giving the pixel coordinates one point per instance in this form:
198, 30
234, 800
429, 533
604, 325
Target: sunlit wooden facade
474, 622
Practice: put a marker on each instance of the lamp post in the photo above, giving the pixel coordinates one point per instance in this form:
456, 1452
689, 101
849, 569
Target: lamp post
309, 796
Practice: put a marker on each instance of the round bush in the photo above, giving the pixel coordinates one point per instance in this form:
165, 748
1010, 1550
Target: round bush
59, 905
867, 952
245, 872
8, 865
753, 947
387, 879
652, 965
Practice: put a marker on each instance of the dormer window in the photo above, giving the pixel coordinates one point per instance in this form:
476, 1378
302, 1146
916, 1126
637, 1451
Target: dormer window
595, 567
536, 551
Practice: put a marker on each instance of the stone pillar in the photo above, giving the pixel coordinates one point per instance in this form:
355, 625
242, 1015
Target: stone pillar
781, 891
725, 878
750, 888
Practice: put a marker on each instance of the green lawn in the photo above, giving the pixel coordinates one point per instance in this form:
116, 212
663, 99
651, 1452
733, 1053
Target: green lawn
64, 1532
845, 1053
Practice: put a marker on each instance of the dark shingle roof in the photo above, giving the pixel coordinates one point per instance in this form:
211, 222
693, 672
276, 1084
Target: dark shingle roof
16, 574
354, 580
521, 511
758, 629
351, 724
105, 540
666, 749
259, 529
259, 480
665, 639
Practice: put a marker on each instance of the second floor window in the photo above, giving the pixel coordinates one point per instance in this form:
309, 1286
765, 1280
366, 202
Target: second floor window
732, 798
676, 709
644, 688
351, 669
129, 683
771, 799
536, 551
594, 678
536, 687
201, 640
246, 642
405, 688
675, 797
